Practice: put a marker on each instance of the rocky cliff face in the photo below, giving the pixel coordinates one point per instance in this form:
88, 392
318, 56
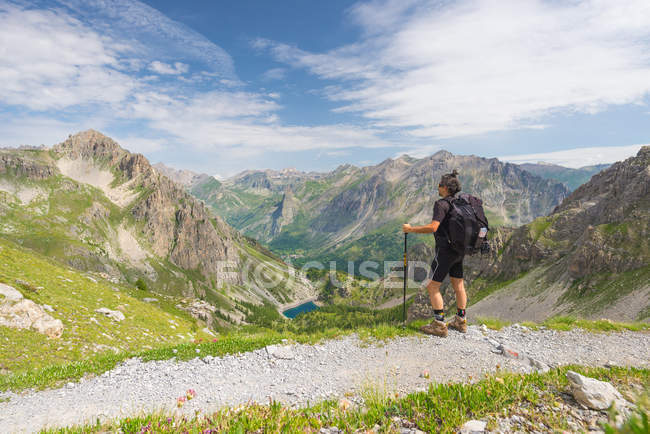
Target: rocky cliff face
176, 225
22, 164
603, 226
284, 213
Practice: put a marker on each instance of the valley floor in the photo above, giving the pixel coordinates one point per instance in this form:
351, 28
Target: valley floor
298, 375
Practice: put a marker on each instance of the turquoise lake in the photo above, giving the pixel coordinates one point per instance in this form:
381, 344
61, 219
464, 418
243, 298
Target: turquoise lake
305, 307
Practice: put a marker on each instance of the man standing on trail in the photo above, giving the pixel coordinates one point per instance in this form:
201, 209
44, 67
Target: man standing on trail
446, 261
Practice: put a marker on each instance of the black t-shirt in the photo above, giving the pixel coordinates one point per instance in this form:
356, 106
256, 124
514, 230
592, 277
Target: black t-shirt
440, 211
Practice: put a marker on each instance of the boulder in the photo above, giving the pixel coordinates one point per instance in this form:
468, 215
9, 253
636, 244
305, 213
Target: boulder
200, 309
115, 315
19, 312
473, 426
594, 394
280, 352
10, 293
538, 365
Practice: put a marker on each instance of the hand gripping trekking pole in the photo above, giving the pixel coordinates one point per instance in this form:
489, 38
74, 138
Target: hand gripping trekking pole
406, 274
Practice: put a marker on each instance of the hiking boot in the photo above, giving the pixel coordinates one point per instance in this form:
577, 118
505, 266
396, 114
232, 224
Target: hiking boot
436, 328
458, 323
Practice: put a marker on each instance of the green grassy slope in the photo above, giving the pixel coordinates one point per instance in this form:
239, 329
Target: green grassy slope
74, 296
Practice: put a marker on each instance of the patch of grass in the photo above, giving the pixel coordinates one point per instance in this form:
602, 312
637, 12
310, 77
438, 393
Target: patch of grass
442, 408
141, 285
603, 325
492, 323
344, 318
538, 226
566, 323
593, 293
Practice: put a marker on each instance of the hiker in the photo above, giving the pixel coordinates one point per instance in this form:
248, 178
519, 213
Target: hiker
446, 261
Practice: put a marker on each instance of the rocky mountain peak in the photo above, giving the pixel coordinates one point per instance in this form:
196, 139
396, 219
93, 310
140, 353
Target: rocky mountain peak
614, 193
89, 144
442, 155
97, 149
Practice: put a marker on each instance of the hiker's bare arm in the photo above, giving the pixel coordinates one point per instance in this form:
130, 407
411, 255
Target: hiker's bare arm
426, 229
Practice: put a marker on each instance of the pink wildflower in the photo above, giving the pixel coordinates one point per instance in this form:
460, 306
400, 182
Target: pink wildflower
190, 394
180, 401
214, 340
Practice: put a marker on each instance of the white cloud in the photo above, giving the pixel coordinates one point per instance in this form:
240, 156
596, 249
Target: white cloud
240, 125
77, 53
576, 158
443, 69
275, 74
155, 33
49, 60
164, 68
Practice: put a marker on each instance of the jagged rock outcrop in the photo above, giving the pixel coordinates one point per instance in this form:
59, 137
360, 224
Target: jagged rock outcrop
18, 312
17, 165
284, 213
200, 309
590, 256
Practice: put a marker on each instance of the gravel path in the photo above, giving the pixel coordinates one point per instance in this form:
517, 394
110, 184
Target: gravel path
302, 374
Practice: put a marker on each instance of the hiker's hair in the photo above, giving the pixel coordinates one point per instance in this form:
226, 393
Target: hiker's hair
450, 180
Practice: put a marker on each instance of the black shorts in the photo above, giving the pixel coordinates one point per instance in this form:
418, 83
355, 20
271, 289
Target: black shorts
446, 262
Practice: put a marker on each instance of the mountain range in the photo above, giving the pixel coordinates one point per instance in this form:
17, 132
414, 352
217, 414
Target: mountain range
355, 213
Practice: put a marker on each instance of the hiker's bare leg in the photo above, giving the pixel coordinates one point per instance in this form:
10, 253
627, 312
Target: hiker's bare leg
459, 288
434, 294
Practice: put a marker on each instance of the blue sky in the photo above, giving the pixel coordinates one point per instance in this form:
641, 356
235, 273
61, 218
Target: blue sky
220, 87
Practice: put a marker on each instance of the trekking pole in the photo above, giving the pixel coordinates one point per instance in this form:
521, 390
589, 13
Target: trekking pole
406, 274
